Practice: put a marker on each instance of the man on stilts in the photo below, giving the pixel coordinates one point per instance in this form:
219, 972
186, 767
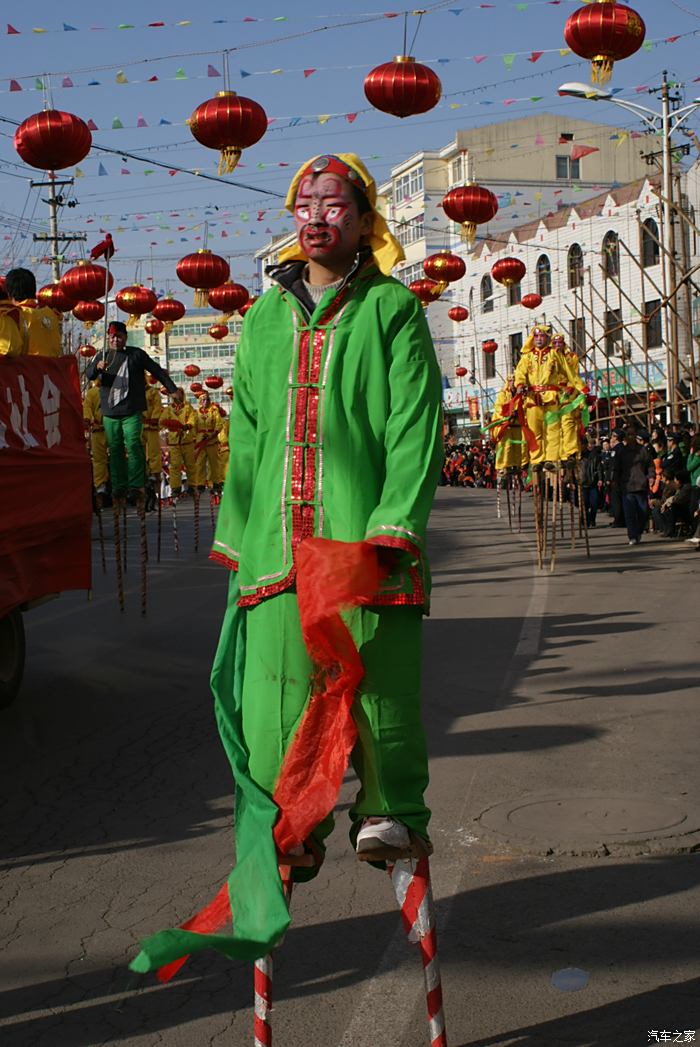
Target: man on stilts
336, 437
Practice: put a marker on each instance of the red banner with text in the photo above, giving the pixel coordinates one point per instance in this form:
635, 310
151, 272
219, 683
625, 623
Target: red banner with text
45, 483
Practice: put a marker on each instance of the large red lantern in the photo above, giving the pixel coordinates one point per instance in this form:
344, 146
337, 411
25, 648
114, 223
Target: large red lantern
605, 33
214, 381
460, 372
403, 87
470, 205
444, 268
196, 388
508, 271
218, 331
243, 309
203, 271
489, 346
169, 310
52, 140
88, 313
54, 295
87, 351
154, 326
458, 313
229, 123
426, 290
531, 301
86, 282
228, 298
191, 370
135, 300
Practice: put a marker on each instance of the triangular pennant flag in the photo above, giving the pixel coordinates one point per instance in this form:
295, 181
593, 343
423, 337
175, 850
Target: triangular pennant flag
14, 86
101, 170
121, 78
141, 122
324, 119
180, 74
79, 173
521, 7
308, 72
163, 121
38, 29
92, 125
508, 61
243, 73
480, 58
38, 84
148, 171
126, 25
212, 71
69, 28
11, 31
151, 79
351, 117
125, 171
117, 125
93, 83
535, 56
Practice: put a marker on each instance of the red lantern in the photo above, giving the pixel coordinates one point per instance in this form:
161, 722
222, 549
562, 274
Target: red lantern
605, 33
54, 295
470, 205
618, 402
214, 381
196, 388
135, 300
154, 326
444, 268
531, 301
403, 87
229, 392
458, 313
489, 346
218, 331
228, 298
426, 290
229, 123
52, 140
508, 271
169, 310
460, 372
191, 370
243, 309
89, 313
86, 282
203, 271
87, 351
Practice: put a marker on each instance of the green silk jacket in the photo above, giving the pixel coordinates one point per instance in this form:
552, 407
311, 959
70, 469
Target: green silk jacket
336, 432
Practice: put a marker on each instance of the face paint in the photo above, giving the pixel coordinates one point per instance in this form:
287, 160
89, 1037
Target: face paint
326, 218
541, 339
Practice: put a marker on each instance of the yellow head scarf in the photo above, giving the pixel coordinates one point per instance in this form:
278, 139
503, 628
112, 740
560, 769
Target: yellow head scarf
386, 249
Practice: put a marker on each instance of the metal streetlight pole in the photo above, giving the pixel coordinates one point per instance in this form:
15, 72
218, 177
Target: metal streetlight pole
665, 124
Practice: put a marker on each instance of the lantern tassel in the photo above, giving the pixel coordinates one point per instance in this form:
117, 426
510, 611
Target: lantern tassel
133, 320
601, 69
228, 159
201, 298
468, 233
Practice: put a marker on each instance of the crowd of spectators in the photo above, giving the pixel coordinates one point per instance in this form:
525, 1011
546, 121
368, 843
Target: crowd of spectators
468, 465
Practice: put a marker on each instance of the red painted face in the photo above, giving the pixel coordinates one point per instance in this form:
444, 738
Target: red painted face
558, 342
327, 220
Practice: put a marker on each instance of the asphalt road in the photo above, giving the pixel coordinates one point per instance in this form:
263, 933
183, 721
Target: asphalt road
570, 699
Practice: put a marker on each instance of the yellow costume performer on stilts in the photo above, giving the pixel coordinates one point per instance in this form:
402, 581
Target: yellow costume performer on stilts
92, 415
151, 431
512, 452
540, 375
206, 447
180, 421
572, 393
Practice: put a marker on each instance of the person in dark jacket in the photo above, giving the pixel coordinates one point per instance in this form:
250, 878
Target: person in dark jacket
633, 469
674, 458
592, 478
123, 401
676, 507
612, 481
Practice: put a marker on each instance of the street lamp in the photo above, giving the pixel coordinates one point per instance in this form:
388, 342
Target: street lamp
665, 124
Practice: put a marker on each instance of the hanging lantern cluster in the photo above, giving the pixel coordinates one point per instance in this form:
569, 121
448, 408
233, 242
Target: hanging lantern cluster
191, 370
604, 32
135, 300
508, 271
203, 271
218, 331
458, 313
88, 313
470, 205
444, 268
169, 310
489, 346
228, 298
229, 123
86, 282
54, 295
531, 301
426, 291
52, 140
154, 326
403, 87
214, 381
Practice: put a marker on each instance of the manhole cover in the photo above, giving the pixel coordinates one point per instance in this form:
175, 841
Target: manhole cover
592, 821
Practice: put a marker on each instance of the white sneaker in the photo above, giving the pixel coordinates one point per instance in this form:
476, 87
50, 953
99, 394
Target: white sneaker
695, 541
382, 839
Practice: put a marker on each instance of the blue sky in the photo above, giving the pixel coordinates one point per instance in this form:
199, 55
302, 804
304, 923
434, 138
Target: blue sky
157, 217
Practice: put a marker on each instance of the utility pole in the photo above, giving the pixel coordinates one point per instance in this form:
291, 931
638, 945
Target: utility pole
672, 347
53, 236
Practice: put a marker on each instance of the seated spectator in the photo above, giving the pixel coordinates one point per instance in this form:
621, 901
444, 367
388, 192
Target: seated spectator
676, 509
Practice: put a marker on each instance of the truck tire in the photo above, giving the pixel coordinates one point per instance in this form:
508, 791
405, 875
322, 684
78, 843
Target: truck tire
12, 649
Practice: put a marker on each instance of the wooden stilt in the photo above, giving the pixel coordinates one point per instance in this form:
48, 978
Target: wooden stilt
537, 504
101, 533
160, 523
555, 520
544, 530
141, 510
196, 520
116, 510
584, 521
176, 540
126, 536
510, 511
262, 980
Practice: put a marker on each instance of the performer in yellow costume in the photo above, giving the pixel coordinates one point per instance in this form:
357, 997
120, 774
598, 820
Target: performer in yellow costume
572, 402
539, 376
512, 452
150, 433
206, 448
180, 421
222, 440
92, 415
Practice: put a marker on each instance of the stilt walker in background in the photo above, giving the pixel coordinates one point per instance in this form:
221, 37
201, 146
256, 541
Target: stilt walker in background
151, 440
92, 415
180, 422
206, 453
539, 378
335, 331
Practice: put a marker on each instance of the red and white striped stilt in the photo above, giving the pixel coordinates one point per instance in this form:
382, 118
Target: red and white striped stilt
411, 881
264, 969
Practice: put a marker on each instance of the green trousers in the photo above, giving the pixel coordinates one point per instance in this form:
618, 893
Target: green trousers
127, 462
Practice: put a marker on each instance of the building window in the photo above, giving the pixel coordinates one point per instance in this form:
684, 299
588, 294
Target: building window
458, 174
575, 266
568, 169
515, 294
416, 181
611, 255
486, 295
409, 273
489, 366
544, 276
516, 345
613, 331
650, 243
652, 324
410, 231
408, 185
577, 336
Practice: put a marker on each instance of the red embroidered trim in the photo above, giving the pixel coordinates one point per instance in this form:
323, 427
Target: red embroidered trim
414, 599
223, 559
396, 543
